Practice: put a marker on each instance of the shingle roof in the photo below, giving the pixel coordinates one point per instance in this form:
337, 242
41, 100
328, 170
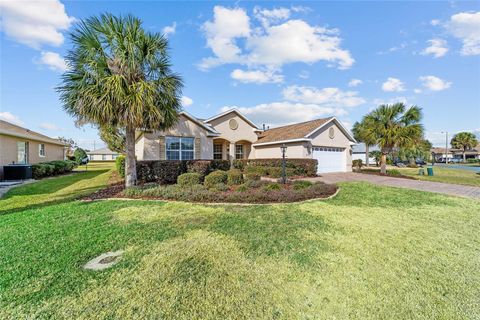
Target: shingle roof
102, 151
11, 129
292, 131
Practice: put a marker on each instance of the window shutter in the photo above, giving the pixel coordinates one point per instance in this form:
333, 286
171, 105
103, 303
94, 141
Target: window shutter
161, 141
197, 149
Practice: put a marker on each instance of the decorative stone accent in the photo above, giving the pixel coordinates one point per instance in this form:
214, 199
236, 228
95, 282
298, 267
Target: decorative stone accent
104, 261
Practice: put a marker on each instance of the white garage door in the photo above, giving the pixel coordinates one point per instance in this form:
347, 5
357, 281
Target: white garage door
330, 159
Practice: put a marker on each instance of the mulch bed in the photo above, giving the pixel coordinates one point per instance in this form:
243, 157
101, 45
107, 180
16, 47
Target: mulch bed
112, 191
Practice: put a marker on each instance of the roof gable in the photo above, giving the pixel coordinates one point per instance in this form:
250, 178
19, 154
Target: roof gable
234, 111
11, 129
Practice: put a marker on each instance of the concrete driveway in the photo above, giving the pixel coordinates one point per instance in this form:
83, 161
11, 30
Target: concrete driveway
437, 187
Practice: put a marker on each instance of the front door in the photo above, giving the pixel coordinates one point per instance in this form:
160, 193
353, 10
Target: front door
22, 152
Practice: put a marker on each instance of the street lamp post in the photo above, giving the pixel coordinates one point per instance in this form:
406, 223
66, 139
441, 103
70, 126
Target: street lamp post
284, 175
446, 147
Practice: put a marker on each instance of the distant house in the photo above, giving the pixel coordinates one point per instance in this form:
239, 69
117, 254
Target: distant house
19, 145
103, 154
359, 153
440, 154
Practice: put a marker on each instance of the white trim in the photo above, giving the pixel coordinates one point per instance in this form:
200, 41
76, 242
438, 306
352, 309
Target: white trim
238, 113
281, 141
180, 150
339, 124
200, 123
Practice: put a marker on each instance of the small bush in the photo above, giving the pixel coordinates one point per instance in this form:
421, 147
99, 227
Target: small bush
234, 177
272, 187
301, 184
473, 160
394, 172
357, 164
276, 172
189, 179
120, 165
223, 165
242, 188
255, 183
261, 171
252, 176
202, 167
52, 168
214, 178
38, 170
79, 155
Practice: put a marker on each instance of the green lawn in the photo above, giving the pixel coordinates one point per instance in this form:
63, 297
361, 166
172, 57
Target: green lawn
371, 252
454, 176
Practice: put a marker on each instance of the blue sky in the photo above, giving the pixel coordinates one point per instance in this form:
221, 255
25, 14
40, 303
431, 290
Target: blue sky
278, 62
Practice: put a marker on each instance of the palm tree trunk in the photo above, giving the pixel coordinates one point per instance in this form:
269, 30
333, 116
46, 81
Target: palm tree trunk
367, 154
383, 163
464, 156
130, 163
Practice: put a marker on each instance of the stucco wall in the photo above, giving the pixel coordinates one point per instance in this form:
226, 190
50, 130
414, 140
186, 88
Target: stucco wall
99, 157
8, 151
294, 150
244, 131
322, 139
184, 128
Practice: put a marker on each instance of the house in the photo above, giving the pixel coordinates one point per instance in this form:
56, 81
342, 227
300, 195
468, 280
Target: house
231, 135
19, 145
103, 154
359, 152
453, 154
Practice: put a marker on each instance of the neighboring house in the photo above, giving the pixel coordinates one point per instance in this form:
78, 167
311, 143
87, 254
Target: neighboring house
440, 154
359, 153
22, 146
103, 154
231, 135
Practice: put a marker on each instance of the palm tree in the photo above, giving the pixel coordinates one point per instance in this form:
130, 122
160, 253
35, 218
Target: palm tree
464, 141
395, 126
119, 75
362, 132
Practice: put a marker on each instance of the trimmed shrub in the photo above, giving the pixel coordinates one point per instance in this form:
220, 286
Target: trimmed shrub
276, 172
188, 179
255, 183
38, 170
234, 177
120, 165
214, 178
252, 176
221, 187
52, 168
304, 167
272, 187
261, 171
357, 164
79, 155
301, 184
202, 167
223, 165
242, 188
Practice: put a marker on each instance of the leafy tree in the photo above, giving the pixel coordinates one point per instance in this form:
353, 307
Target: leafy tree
114, 138
362, 132
119, 75
464, 141
71, 144
421, 149
79, 155
377, 155
395, 126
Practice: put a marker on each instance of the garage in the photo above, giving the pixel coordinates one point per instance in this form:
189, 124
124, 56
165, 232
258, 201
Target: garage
330, 159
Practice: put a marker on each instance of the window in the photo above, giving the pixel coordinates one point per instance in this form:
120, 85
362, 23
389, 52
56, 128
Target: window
179, 148
41, 150
239, 151
217, 152
22, 152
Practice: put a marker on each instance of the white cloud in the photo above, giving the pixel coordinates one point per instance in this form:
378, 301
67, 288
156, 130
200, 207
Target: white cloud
256, 76
304, 74
53, 60
393, 100
435, 22
393, 85
417, 90
434, 83
9, 117
49, 126
35, 23
278, 113
273, 43
168, 30
186, 101
333, 97
437, 47
355, 82
466, 27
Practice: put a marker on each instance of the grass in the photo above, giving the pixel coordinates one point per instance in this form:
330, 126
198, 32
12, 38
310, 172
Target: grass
455, 176
371, 252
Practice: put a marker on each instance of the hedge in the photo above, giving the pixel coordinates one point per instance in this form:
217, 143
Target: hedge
167, 171
188, 179
298, 167
52, 168
212, 180
120, 165
234, 177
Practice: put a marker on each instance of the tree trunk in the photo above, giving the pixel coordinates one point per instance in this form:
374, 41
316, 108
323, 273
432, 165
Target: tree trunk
367, 155
464, 156
383, 163
130, 162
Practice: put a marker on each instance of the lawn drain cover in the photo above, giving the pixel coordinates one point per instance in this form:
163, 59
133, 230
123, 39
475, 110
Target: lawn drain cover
104, 261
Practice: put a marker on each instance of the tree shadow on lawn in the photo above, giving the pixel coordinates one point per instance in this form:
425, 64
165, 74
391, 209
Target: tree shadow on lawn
45, 187
364, 194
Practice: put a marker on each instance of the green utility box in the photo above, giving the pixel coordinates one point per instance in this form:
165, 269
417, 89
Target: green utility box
430, 171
